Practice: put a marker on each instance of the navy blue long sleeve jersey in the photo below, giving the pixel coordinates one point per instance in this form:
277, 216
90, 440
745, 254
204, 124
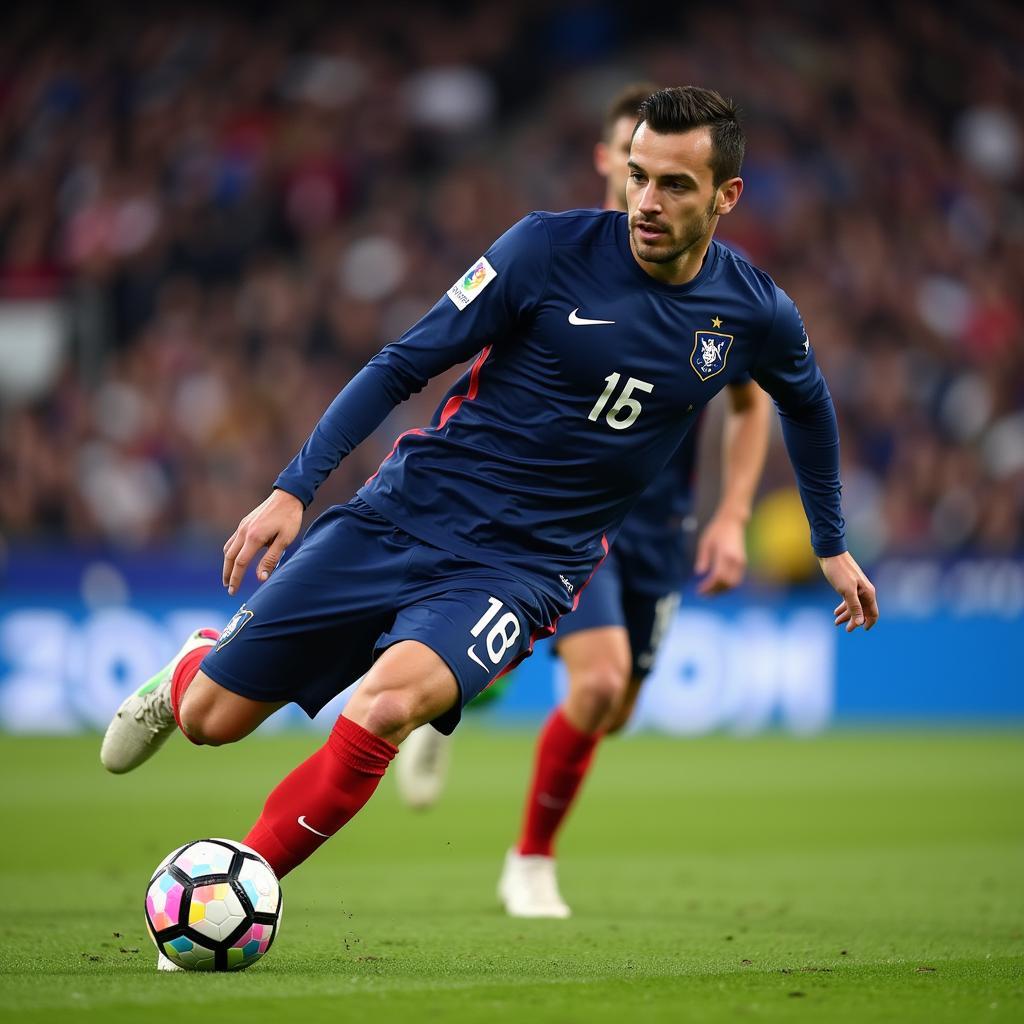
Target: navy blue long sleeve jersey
653, 547
589, 373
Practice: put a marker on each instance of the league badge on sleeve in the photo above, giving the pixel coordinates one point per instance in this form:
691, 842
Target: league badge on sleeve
476, 279
710, 352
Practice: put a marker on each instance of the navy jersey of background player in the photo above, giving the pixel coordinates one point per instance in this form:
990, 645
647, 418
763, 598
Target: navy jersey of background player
588, 375
652, 541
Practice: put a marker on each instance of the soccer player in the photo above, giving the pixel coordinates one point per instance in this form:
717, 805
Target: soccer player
601, 336
609, 644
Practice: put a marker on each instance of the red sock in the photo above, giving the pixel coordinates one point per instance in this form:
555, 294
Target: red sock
184, 673
322, 794
563, 758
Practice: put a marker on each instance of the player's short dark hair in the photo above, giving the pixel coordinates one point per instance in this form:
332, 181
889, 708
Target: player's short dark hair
685, 107
626, 103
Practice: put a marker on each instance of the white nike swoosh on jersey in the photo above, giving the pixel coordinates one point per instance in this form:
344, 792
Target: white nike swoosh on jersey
579, 321
302, 821
472, 654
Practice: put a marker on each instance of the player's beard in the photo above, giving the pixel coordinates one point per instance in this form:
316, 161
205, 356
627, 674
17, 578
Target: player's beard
694, 233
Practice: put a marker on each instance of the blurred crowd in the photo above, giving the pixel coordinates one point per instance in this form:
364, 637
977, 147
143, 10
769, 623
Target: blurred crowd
233, 208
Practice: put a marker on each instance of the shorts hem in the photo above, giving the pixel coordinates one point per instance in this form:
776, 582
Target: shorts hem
234, 685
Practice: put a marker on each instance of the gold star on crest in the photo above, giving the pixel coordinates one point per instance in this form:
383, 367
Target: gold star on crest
716, 322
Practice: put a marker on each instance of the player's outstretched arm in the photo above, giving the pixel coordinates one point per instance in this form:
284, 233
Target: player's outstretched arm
859, 606
504, 286
788, 372
273, 525
721, 549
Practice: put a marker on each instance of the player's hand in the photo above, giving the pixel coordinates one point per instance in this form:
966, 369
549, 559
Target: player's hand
721, 555
859, 606
273, 525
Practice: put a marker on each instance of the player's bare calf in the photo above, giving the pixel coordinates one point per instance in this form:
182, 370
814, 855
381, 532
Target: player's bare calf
212, 716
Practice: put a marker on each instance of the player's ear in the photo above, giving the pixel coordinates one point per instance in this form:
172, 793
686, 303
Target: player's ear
601, 159
729, 195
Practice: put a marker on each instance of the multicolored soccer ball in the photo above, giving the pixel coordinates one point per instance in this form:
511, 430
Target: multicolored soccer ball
213, 905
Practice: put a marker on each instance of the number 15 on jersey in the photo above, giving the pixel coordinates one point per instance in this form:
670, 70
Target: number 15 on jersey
625, 409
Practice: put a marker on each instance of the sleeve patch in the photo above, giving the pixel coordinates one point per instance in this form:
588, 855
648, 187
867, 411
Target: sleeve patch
476, 279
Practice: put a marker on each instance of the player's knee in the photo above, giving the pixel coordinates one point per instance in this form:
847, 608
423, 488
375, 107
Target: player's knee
623, 712
602, 685
207, 726
619, 719
389, 711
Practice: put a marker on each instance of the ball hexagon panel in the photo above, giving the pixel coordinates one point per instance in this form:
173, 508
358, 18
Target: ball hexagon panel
204, 858
190, 955
216, 911
260, 886
163, 902
250, 946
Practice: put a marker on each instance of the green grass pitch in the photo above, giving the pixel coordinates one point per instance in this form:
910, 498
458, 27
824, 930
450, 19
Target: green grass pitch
855, 877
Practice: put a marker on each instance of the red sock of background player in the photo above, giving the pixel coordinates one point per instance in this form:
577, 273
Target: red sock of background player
563, 757
322, 794
184, 672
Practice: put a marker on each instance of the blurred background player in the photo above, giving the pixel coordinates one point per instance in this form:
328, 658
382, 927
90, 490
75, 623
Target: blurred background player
609, 644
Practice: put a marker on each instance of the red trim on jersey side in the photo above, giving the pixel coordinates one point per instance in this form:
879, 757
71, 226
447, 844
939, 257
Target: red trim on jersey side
394, 448
451, 407
545, 631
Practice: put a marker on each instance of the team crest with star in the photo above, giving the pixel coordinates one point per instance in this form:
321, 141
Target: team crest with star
710, 352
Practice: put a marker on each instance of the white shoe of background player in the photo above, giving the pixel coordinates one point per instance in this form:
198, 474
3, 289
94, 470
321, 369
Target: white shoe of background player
421, 767
529, 888
145, 719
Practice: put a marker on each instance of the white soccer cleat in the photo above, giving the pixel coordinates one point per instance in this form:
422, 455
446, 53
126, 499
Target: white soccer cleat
528, 887
422, 767
164, 963
145, 719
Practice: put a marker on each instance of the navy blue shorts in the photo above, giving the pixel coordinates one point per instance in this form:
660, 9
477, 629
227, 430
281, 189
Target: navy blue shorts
610, 599
359, 584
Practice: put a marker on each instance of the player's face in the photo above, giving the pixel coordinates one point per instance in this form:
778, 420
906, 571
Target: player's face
671, 198
611, 158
